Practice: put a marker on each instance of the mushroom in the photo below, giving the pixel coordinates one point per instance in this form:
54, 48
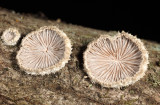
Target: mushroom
44, 51
10, 36
116, 61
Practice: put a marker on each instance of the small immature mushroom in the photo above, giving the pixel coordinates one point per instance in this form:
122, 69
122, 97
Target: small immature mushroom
44, 51
116, 61
10, 36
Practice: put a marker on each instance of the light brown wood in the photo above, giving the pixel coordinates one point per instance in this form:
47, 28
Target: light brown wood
70, 86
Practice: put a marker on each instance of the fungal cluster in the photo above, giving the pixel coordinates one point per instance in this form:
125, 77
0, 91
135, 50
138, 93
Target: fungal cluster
115, 61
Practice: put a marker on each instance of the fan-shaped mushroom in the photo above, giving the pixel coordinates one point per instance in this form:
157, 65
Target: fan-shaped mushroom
44, 51
116, 61
10, 36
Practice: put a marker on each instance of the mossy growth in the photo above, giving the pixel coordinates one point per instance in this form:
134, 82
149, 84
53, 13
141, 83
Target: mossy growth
131, 91
151, 65
154, 80
126, 102
5, 69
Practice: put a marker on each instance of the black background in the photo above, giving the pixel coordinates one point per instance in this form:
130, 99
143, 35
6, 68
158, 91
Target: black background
138, 18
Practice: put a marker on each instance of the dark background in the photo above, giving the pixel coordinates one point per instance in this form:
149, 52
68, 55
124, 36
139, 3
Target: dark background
138, 18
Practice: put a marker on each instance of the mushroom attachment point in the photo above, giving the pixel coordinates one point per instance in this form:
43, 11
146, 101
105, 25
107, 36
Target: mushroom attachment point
10, 36
116, 61
44, 51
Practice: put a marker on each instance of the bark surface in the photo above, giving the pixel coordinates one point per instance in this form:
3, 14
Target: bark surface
70, 86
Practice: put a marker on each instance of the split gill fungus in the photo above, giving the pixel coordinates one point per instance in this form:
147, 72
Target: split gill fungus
44, 51
116, 61
10, 36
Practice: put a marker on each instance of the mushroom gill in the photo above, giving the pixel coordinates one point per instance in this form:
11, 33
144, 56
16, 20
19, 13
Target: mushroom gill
116, 61
44, 51
10, 36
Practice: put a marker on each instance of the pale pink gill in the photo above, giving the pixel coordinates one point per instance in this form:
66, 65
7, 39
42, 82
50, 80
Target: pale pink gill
112, 61
42, 50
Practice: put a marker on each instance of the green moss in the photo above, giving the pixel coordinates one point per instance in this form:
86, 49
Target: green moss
129, 102
135, 90
126, 102
76, 80
90, 85
131, 91
151, 65
121, 97
104, 95
154, 80
5, 69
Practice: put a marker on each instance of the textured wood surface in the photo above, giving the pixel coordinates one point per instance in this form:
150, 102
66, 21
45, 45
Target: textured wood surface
70, 86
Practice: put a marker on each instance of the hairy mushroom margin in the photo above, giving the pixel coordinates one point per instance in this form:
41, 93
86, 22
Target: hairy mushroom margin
116, 61
10, 36
44, 51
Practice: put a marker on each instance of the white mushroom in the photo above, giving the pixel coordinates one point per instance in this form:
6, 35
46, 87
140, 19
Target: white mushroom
10, 36
44, 51
116, 61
